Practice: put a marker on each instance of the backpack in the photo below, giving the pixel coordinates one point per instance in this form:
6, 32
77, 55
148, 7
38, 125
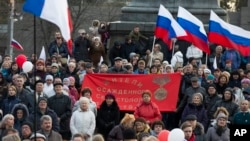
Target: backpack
177, 64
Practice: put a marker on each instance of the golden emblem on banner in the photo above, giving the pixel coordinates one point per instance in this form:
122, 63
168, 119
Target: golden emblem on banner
161, 93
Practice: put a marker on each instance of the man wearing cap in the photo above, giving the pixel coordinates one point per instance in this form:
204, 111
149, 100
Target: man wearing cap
141, 67
61, 104
43, 109
46, 129
26, 130
117, 68
198, 128
55, 70
194, 88
82, 45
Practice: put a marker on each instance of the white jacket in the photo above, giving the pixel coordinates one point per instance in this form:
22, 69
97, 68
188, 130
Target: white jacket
194, 51
83, 122
177, 57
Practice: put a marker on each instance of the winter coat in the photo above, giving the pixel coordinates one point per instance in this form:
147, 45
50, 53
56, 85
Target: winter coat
199, 132
92, 106
39, 114
116, 134
96, 52
60, 50
83, 122
198, 110
149, 111
213, 136
128, 48
231, 107
115, 52
61, 104
242, 118
81, 47
107, 117
177, 57
18, 122
9, 103
53, 136
233, 56
194, 51
209, 103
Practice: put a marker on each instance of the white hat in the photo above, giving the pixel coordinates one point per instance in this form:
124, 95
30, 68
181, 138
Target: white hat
207, 71
38, 135
165, 62
50, 77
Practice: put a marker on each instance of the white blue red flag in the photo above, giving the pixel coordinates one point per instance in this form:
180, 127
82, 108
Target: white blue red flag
167, 27
228, 35
55, 11
194, 29
16, 44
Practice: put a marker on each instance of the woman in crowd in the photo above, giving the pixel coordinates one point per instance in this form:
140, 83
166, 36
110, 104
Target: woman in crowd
108, 115
86, 92
116, 134
227, 102
141, 127
157, 127
83, 120
153, 112
197, 108
219, 132
222, 84
10, 101
6, 123
21, 113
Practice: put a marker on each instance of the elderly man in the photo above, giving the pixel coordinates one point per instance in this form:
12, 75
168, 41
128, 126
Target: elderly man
83, 120
46, 129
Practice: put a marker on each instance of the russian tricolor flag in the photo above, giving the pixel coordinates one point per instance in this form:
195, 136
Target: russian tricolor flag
228, 35
167, 27
16, 44
194, 29
55, 11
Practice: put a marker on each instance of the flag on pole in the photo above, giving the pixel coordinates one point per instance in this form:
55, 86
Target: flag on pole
167, 27
43, 54
16, 44
55, 11
194, 29
228, 35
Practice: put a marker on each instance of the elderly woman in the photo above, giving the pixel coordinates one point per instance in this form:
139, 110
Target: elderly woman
220, 131
96, 51
108, 115
6, 123
83, 120
155, 54
153, 112
116, 134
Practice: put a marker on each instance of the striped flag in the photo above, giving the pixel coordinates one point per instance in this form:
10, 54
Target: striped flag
16, 44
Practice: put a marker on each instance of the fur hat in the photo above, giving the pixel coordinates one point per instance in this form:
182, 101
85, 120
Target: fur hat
127, 117
221, 115
110, 95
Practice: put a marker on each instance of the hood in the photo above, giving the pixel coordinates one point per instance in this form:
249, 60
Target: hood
179, 54
22, 107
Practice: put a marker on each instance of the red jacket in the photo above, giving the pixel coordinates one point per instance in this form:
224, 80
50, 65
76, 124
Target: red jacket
148, 111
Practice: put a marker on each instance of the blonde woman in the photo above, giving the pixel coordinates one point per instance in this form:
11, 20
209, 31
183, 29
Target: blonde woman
6, 123
116, 132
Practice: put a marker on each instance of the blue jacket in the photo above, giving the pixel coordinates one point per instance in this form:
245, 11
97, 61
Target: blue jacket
233, 56
9, 103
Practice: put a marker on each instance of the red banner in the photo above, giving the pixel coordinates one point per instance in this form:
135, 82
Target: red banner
128, 88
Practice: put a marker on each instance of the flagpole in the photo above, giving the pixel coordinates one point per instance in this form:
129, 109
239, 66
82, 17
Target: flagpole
12, 2
152, 52
174, 40
206, 59
34, 76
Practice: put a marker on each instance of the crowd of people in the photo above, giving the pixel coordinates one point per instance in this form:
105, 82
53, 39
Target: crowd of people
50, 104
